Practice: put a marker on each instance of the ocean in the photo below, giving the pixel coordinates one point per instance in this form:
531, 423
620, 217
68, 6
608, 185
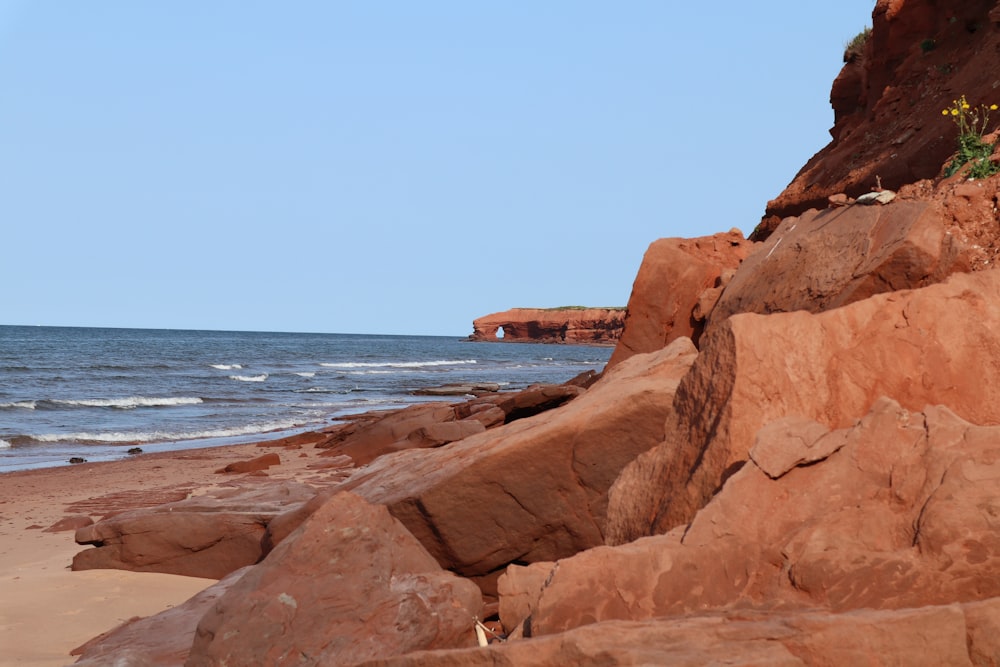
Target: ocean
95, 393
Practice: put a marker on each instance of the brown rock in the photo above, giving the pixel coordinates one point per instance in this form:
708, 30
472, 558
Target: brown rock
204, 536
535, 489
163, 639
673, 275
827, 259
829, 368
551, 325
350, 584
253, 465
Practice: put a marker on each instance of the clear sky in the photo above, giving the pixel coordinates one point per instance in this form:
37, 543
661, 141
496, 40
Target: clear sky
386, 167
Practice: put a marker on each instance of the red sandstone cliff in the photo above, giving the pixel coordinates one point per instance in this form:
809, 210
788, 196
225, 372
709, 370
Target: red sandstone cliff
887, 101
815, 483
593, 326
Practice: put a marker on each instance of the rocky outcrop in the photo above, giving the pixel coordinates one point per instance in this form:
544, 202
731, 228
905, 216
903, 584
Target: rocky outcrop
841, 255
903, 519
933, 345
889, 129
591, 326
434, 424
350, 584
203, 536
535, 489
666, 301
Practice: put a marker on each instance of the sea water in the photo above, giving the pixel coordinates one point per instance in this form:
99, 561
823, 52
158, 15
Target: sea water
95, 393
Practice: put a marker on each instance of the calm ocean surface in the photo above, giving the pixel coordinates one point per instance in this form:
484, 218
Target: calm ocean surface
94, 393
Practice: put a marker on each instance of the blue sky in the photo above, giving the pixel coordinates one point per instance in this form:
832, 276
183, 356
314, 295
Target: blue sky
386, 167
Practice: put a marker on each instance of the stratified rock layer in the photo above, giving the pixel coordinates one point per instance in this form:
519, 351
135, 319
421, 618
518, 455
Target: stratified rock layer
203, 536
889, 128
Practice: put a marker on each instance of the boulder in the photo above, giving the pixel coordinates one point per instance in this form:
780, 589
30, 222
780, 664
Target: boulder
938, 344
203, 536
163, 639
534, 489
830, 258
672, 277
902, 514
349, 584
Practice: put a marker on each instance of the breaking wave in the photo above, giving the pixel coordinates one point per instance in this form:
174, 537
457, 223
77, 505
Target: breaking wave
398, 364
123, 437
227, 367
249, 378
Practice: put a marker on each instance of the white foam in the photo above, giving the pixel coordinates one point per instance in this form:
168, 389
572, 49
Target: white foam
249, 378
307, 374
24, 405
113, 437
227, 367
4, 444
131, 402
398, 364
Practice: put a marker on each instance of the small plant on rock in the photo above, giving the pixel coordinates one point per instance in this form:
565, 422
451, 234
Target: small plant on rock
855, 47
972, 148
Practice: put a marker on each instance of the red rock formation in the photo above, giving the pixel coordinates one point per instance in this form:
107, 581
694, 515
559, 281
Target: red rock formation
826, 259
534, 489
888, 102
350, 584
673, 276
891, 513
933, 345
204, 536
591, 326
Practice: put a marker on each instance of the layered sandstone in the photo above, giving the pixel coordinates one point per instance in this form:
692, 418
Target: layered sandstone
592, 326
889, 130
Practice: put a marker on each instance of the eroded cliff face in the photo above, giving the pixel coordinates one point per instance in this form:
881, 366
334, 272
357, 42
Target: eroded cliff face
590, 326
887, 101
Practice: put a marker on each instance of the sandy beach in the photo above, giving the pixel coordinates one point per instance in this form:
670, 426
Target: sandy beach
47, 609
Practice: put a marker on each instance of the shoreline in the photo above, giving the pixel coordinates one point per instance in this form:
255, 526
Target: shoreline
48, 609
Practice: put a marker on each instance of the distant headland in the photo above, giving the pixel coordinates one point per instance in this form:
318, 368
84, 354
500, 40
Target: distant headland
578, 325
